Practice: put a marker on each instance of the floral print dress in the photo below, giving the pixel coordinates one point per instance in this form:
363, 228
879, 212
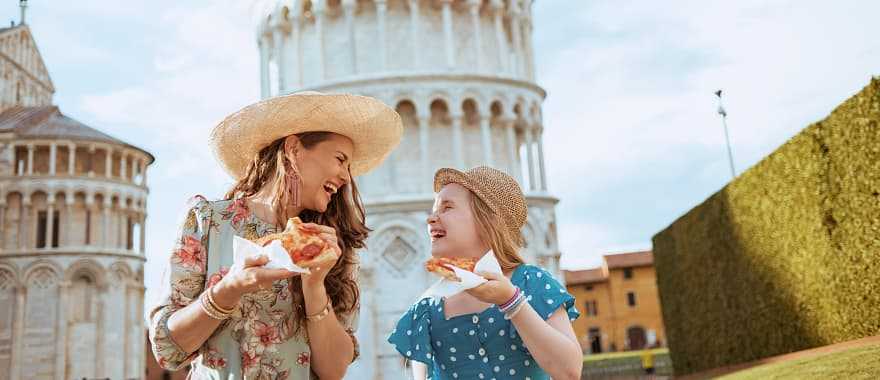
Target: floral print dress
258, 342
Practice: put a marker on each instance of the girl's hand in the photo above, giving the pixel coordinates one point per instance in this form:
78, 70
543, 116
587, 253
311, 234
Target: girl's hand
497, 290
318, 274
252, 278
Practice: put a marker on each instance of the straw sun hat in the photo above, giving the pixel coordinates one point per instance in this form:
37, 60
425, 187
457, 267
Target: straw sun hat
374, 128
498, 189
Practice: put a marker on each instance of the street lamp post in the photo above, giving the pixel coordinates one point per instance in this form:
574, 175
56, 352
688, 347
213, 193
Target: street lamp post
723, 114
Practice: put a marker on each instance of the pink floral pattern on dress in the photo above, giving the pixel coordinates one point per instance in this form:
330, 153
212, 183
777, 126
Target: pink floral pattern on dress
303, 359
261, 328
216, 277
191, 254
236, 212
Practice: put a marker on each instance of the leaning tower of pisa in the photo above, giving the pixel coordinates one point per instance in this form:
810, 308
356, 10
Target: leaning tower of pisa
461, 74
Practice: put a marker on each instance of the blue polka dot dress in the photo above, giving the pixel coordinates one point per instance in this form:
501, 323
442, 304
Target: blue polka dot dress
482, 345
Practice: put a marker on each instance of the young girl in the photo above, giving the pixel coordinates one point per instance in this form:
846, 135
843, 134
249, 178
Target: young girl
516, 325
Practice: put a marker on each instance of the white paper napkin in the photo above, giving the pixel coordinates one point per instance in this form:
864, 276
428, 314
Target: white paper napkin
469, 280
278, 257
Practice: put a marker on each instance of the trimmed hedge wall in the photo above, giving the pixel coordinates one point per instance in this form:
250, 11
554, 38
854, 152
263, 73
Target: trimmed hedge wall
787, 256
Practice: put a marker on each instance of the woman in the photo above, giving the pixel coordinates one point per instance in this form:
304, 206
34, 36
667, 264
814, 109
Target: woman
293, 155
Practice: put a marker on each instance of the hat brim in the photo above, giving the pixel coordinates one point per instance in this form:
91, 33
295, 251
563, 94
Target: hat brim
446, 176
374, 128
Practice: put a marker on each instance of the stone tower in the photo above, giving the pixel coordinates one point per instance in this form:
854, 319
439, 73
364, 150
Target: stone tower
461, 74
72, 210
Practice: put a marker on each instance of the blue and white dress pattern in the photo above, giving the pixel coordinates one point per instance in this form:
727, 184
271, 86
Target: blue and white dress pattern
481, 345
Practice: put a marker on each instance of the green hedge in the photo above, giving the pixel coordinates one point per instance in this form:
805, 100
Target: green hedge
785, 257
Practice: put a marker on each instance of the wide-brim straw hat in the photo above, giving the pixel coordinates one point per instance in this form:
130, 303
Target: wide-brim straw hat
494, 187
375, 128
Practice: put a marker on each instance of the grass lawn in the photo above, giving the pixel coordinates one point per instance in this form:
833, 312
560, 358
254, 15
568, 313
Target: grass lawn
856, 363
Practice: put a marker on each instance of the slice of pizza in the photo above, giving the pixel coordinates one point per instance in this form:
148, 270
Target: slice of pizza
302, 243
441, 266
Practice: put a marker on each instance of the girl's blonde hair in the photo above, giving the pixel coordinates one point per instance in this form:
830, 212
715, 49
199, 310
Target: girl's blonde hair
492, 231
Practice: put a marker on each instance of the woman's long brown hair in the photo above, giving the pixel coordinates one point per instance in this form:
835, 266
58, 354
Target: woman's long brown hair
345, 213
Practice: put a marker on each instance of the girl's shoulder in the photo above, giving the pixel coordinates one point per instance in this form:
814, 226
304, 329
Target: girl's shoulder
543, 291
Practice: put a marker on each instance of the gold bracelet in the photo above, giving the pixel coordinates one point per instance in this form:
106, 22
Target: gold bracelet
321, 314
214, 304
210, 310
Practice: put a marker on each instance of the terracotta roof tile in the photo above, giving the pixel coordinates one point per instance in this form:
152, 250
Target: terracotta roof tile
587, 276
48, 122
632, 259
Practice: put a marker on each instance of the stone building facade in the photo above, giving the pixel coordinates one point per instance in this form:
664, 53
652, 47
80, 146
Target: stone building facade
619, 304
461, 74
72, 212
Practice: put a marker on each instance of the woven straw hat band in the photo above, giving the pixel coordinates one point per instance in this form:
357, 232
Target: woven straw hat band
498, 189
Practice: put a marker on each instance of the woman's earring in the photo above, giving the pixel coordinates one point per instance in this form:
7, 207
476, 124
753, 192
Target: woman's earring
294, 183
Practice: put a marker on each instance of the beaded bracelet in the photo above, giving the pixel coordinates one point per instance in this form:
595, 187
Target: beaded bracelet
516, 294
512, 313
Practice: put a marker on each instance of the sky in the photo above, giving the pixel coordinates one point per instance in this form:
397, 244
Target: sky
632, 138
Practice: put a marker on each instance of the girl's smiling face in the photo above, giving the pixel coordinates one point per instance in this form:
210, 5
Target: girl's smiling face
452, 226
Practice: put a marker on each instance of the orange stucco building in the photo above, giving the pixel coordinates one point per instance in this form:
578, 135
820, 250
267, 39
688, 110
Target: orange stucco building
619, 304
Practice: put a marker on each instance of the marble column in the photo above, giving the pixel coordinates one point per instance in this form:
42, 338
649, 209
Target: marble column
105, 221
91, 161
263, 45
61, 328
486, 139
457, 141
278, 44
30, 159
474, 9
123, 162
108, 162
542, 172
18, 330
296, 40
424, 145
50, 221
381, 14
500, 36
348, 8
512, 149
143, 227
318, 7
71, 159
516, 63
53, 156
530, 159
24, 221
414, 33
448, 42
66, 238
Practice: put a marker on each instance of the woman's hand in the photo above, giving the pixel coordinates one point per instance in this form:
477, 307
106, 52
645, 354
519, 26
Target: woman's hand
497, 290
252, 278
318, 274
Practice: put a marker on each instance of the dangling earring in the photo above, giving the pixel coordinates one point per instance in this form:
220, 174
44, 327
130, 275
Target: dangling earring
294, 182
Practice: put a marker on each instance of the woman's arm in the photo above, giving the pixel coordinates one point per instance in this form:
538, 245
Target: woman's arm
552, 342
190, 327
332, 348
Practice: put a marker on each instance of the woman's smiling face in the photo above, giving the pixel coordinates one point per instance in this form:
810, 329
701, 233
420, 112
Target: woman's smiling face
323, 169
